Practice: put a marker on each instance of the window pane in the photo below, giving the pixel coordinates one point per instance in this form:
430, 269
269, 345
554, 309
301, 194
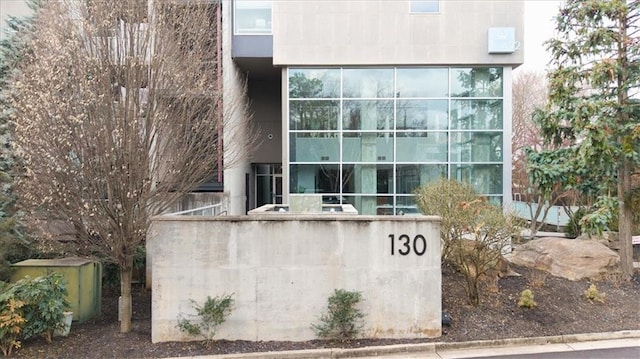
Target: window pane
485, 179
367, 115
422, 82
314, 147
410, 177
425, 6
367, 205
421, 147
367, 178
476, 114
422, 115
368, 83
367, 147
315, 115
252, 17
476, 82
315, 178
476, 147
314, 83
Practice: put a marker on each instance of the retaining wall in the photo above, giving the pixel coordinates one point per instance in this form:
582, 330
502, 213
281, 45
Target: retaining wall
282, 269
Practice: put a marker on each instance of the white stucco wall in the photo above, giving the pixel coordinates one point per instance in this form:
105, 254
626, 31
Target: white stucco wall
282, 270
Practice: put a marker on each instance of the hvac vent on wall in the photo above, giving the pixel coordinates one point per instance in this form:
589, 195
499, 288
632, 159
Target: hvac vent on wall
502, 40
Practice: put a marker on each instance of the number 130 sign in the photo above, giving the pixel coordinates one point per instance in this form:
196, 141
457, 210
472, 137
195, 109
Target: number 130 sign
404, 244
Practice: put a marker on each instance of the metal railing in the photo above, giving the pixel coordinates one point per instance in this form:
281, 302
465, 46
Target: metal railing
210, 210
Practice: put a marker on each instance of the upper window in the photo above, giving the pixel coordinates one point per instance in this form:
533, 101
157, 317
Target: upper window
252, 17
424, 6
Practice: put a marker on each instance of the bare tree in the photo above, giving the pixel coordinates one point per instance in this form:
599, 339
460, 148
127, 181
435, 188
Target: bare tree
117, 115
529, 93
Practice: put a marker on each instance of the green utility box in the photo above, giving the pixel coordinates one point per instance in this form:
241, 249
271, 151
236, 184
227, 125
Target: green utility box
84, 281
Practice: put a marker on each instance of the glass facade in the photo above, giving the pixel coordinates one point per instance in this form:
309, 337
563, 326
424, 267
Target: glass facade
252, 17
370, 136
424, 6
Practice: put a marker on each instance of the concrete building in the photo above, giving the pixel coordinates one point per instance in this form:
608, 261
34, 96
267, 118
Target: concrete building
363, 101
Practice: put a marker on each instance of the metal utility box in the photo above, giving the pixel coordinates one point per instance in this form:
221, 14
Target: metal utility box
84, 281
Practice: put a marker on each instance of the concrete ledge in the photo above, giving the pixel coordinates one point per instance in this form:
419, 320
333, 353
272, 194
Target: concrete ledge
384, 350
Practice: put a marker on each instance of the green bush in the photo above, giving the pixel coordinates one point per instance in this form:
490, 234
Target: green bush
593, 294
526, 299
31, 307
343, 320
473, 231
210, 315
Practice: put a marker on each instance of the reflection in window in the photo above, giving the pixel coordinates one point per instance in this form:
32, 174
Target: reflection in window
314, 83
367, 115
368, 83
476, 82
367, 147
252, 17
410, 82
367, 178
315, 178
476, 114
421, 146
410, 177
486, 179
371, 136
314, 115
476, 147
422, 115
314, 147
425, 6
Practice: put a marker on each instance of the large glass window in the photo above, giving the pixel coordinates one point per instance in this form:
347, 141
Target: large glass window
411, 82
314, 83
476, 82
371, 136
472, 114
368, 83
314, 115
252, 17
425, 6
367, 115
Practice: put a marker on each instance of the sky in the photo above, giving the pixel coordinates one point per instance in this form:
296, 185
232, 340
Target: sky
538, 27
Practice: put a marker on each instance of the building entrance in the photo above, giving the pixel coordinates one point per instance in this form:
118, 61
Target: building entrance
268, 180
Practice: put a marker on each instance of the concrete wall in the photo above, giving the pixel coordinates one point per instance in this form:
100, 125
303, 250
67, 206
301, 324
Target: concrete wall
282, 269
237, 157
330, 32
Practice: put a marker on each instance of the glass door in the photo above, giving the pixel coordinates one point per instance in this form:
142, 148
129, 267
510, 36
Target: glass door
268, 181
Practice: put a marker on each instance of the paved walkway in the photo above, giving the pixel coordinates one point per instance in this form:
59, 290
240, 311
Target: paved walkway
561, 343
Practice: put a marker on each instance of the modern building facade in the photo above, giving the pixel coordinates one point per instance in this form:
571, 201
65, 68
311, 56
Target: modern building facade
363, 101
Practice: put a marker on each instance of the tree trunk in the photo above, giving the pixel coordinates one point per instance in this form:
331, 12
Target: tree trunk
126, 273
625, 218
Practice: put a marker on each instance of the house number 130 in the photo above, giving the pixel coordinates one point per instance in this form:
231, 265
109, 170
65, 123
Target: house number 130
418, 245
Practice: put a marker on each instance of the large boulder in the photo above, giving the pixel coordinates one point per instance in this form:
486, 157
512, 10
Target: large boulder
573, 259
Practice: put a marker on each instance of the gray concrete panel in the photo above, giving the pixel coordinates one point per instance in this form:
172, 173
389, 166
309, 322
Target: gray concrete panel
321, 32
282, 269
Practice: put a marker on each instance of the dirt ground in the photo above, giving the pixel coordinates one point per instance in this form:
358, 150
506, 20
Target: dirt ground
561, 309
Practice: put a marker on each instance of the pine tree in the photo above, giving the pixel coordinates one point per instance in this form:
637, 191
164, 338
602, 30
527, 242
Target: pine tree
14, 243
593, 89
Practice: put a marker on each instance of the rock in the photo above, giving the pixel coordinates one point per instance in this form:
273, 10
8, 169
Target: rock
573, 259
